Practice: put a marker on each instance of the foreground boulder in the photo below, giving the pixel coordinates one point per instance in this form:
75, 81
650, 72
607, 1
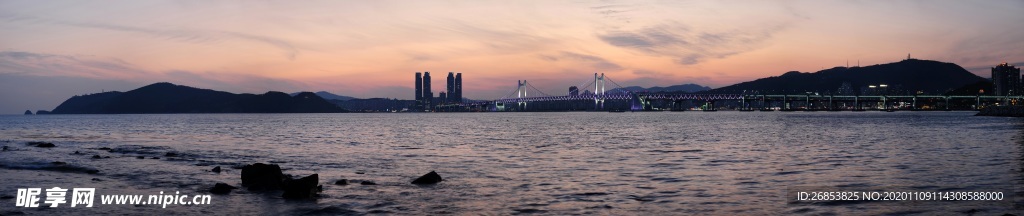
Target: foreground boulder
303, 188
260, 176
429, 178
216, 169
221, 188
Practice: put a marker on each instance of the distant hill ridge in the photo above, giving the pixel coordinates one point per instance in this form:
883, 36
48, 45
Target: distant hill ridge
170, 98
328, 96
675, 88
908, 76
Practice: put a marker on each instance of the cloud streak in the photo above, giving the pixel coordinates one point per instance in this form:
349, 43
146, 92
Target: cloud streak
686, 45
176, 35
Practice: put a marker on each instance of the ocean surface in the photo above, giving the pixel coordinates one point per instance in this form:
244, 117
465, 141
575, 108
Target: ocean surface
563, 163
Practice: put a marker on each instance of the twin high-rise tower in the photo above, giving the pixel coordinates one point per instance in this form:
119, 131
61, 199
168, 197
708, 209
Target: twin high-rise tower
425, 97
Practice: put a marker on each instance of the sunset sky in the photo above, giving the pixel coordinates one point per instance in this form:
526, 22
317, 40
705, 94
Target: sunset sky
52, 50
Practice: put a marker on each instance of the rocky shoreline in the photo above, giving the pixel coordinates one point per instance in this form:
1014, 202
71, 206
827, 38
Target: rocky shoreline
1008, 111
258, 177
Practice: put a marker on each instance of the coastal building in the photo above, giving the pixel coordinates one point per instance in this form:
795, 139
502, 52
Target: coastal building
458, 89
428, 96
450, 88
419, 91
425, 100
1006, 79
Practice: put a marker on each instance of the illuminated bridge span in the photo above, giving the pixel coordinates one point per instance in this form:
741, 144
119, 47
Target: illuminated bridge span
593, 95
595, 90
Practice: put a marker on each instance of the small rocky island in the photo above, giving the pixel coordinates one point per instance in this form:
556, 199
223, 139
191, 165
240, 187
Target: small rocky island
171, 98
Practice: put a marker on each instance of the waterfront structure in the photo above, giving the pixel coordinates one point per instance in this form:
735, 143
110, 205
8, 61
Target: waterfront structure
450, 88
450, 96
428, 96
574, 91
457, 94
1006, 79
419, 92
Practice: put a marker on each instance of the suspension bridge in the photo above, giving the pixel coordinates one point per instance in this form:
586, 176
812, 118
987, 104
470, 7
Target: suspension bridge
596, 95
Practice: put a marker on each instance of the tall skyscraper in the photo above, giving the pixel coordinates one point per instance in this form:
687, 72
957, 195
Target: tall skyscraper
428, 96
419, 91
1006, 79
458, 88
450, 88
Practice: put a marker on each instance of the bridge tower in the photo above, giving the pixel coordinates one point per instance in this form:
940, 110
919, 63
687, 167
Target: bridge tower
598, 91
521, 93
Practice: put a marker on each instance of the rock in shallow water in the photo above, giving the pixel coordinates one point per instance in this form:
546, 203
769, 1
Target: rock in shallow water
303, 188
341, 182
221, 188
42, 144
259, 176
368, 183
216, 169
429, 178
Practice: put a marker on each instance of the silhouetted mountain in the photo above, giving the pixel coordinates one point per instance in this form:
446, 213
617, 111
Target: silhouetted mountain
973, 89
903, 77
675, 88
328, 96
170, 98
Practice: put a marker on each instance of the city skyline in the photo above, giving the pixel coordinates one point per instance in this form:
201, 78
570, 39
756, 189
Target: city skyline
367, 49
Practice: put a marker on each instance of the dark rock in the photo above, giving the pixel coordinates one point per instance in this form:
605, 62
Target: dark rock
140, 157
58, 163
216, 169
76, 152
221, 188
105, 149
368, 183
96, 157
42, 112
106, 156
5, 148
333, 210
97, 179
28, 112
154, 158
42, 144
92, 171
341, 182
1008, 111
259, 176
360, 173
303, 188
171, 154
429, 178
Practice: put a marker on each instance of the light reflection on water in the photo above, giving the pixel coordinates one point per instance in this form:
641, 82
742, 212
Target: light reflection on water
552, 163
